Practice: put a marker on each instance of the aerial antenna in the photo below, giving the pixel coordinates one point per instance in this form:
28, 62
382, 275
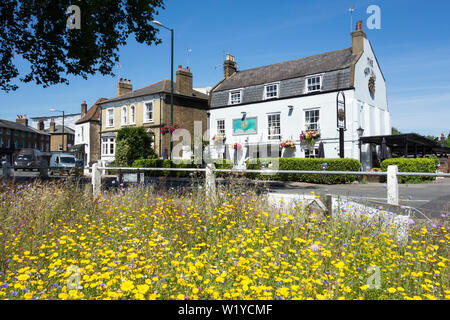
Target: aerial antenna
118, 66
223, 59
351, 17
188, 56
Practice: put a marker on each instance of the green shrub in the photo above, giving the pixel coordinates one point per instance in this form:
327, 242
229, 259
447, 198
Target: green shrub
307, 165
411, 165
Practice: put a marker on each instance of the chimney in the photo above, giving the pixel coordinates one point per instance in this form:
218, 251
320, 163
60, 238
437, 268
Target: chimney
124, 86
229, 66
41, 125
22, 120
52, 125
183, 82
83, 108
358, 37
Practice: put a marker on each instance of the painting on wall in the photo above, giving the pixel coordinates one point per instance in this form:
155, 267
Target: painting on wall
244, 126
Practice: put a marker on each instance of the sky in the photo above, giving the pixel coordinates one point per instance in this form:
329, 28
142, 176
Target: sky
412, 47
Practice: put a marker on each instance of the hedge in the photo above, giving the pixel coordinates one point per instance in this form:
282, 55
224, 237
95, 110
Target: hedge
411, 165
166, 163
307, 165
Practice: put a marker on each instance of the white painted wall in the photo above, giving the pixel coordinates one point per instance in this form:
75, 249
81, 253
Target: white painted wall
82, 136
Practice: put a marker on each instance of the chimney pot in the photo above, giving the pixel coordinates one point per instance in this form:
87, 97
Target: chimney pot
229, 66
358, 37
124, 86
179, 67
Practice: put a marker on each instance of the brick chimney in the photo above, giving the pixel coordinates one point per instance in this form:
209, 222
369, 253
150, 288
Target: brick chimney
183, 82
41, 125
83, 108
22, 120
124, 86
52, 125
358, 37
229, 66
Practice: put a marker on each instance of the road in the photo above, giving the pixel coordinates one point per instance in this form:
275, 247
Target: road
433, 199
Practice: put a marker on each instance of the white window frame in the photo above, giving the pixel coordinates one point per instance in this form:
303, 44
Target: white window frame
317, 123
108, 143
265, 97
124, 115
220, 130
109, 118
320, 76
269, 135
315, 153
145, 119
230, 94
132, 114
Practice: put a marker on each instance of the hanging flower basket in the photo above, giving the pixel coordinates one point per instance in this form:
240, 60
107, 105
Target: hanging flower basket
167, 128
288, 144
309, 137
218, 138
237, 146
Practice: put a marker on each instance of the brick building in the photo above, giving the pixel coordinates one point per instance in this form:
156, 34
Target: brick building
150, 107
18, 135
59, 137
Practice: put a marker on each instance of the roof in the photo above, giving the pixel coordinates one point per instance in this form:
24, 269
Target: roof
58, 130
17, 126
93, 114
325, 62
162, 86
55, 116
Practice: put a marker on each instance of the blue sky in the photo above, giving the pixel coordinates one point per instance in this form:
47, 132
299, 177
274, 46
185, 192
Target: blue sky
412, 47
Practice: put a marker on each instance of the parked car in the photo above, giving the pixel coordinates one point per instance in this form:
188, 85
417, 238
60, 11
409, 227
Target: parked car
62, 163
30, 159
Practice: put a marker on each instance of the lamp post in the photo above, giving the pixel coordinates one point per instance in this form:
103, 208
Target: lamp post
360, 132
54, 110
159, 24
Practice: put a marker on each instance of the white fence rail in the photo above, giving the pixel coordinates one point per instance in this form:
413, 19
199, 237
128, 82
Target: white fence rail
210, 181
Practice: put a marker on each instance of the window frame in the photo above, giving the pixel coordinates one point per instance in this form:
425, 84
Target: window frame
320, 76
230, 94
109, 118
144, 118
277, 84
269, 135
314, 155
124, 115
317, 123
218, 129
132, 114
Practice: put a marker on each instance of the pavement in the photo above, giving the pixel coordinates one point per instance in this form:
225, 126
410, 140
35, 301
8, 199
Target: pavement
432, 199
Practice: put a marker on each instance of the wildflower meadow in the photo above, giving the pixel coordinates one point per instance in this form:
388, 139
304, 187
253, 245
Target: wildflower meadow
57, 241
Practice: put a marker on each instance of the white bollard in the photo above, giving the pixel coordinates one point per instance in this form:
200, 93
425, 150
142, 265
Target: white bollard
392, 185
96, 180
210, 182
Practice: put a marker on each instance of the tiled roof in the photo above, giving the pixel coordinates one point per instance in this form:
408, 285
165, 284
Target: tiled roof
58, 130
93, 114
17, 126
324, 62
162, 86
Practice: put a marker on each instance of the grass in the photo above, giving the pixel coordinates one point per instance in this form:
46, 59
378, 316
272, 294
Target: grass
152, 243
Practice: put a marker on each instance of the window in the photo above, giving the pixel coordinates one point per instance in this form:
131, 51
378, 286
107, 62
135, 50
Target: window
110, 119
108, 145
235, 97
312, 154
148, 112
82, 133
312, 120
132, 114
16, 144
124, 116
274, 126
221, 126
8, 143
1, 143
314, 84
271, 91
111, 145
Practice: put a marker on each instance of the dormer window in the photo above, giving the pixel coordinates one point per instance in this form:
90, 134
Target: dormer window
271, 91
235, 97
313, 84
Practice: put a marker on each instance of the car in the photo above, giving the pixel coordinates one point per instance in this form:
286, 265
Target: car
62, 163
30, 159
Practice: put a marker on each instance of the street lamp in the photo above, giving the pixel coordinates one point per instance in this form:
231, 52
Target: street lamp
54, 110
159, 24
360, 132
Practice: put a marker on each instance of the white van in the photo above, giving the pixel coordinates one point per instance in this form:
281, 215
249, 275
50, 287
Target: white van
62, 163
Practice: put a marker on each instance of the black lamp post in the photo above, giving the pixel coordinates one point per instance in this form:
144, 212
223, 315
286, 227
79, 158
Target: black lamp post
159, 24
360, 132
62, 124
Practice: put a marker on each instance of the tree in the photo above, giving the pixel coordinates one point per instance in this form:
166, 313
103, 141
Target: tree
133, 143
37, 32
395, 131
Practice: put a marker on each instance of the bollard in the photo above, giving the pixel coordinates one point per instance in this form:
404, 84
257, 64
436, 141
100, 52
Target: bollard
392, 185
210, 182
96, 179
6, 171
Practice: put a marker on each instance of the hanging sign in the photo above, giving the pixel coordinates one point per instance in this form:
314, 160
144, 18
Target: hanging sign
340, 110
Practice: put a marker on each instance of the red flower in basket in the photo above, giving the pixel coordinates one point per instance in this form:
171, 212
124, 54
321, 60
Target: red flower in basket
237, 146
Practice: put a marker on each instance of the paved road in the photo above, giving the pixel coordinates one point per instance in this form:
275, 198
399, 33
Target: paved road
433, 199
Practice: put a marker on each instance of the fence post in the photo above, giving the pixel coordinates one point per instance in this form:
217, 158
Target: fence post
6, 170
210, 182
96, 179
392, 185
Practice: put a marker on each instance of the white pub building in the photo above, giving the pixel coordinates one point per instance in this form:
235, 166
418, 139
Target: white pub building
271, 104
